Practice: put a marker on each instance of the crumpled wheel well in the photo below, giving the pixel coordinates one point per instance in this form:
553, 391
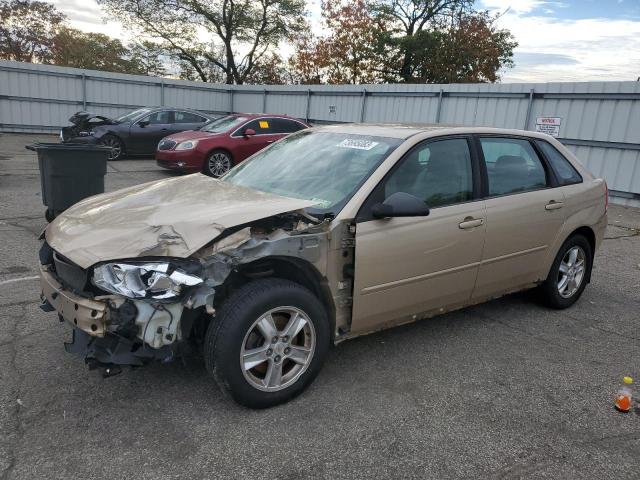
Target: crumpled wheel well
289, 268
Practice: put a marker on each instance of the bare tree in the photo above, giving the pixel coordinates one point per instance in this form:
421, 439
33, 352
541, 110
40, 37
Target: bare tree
243, 29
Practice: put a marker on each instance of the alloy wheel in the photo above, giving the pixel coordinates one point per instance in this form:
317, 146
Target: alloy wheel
114, 144
219, 164
571, 272
277, 349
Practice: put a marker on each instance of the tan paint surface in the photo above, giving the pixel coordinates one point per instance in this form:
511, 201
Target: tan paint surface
413, 268
520, 233
172, 217
78, 311
405, 266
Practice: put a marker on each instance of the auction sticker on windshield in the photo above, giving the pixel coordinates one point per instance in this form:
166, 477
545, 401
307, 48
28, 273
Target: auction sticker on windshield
357, 144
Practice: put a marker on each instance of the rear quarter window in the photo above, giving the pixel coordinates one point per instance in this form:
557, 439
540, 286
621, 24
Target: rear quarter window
513, 166
565, 172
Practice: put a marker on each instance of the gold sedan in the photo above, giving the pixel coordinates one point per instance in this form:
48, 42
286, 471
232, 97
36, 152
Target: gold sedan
328, 234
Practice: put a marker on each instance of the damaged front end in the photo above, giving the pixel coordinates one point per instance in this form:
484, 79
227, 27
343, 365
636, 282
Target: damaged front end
82, 126
129, 312
142, 322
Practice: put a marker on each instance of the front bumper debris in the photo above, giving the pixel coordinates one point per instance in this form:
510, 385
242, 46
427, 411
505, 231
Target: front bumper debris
113, 349
90, 316
106, 336
78, 139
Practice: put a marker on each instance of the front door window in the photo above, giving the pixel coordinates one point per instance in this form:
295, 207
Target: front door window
438, 173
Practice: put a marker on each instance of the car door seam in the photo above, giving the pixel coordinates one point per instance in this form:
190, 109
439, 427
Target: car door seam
514, 254
406, 281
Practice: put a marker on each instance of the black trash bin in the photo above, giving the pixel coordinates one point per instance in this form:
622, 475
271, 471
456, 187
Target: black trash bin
69, 173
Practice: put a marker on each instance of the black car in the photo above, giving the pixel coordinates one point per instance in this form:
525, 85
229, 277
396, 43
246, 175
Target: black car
135, 133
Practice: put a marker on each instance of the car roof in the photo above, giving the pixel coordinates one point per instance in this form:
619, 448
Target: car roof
179, 109
406, 130
251, 116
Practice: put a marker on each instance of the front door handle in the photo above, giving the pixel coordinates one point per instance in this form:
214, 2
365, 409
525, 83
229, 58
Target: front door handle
553, 205
470, 222
270, 141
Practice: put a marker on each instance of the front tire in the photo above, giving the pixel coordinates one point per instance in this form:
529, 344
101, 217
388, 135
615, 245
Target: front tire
268, 342
217, 164
569, 273
116, 145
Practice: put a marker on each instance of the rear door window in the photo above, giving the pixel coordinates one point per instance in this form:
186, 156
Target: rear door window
187, 117
283, 125
512, 166
565, 172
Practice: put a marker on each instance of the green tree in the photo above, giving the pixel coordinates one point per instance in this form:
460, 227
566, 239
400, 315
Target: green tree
34, 31
442, 41
472, 50
93, 51
28, 30
414, 23
239, 33
271, 70
351, 51
148, 57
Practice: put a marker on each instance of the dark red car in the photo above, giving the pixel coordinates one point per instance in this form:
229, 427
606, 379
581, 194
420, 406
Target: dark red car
223, 143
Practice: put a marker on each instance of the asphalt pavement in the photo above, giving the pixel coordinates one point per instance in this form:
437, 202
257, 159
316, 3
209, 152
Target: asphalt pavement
508, 389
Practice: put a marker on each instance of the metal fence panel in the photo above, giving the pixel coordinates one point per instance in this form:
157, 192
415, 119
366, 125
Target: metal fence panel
600, 121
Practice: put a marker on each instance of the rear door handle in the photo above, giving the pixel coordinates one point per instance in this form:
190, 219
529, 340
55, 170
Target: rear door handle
553, 205
470, 222
270, 141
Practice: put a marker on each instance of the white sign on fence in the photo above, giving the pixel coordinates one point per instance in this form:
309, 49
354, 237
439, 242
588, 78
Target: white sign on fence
549, 125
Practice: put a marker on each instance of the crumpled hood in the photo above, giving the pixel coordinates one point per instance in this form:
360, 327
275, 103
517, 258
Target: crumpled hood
81, 119
173, 217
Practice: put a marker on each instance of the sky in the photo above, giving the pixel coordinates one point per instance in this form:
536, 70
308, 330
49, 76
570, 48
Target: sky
559, 40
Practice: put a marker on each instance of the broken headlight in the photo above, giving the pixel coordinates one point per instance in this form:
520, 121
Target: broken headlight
153, 280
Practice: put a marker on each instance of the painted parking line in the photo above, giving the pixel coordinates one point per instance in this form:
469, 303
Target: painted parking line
21, 279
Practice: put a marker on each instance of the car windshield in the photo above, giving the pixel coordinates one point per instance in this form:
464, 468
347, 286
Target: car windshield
322, 166
128, 117
223, 124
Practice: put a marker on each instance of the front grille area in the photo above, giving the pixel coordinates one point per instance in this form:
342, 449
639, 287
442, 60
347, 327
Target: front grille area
166, 144
69, 274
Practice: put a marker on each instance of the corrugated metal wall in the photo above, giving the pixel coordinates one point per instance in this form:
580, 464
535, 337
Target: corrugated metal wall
600, 120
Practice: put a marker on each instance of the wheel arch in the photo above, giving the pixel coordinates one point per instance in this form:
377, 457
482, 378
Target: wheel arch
588, 233
294, 269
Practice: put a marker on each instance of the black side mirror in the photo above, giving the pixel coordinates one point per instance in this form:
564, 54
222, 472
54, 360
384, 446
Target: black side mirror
143, 123
400, 204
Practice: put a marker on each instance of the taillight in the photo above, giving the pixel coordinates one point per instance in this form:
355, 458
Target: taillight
606, 197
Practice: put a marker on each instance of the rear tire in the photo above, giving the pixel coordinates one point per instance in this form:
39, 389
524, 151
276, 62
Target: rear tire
569, 273
258, 365
116, 145
217, 163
